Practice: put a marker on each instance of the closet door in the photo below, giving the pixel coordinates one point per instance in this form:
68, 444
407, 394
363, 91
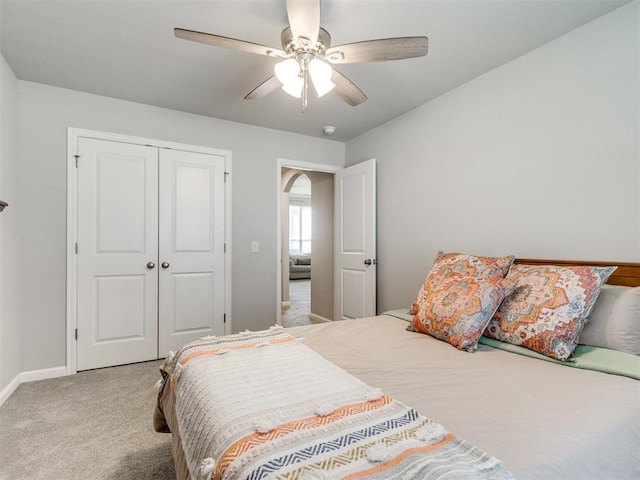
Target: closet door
191, 259
117, 307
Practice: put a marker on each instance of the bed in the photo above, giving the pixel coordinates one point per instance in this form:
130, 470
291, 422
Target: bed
513, 413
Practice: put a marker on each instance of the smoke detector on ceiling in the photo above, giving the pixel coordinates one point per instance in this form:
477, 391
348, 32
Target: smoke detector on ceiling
329, 130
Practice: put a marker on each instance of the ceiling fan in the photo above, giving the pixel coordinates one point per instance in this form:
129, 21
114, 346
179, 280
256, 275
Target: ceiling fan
307, 53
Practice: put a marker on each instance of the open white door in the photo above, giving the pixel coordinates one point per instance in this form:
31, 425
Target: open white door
355, 241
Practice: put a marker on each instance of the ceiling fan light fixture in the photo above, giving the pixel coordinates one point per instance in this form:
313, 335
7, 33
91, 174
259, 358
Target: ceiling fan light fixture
294, 87
287, 71
322, 87
321, 73
306, 47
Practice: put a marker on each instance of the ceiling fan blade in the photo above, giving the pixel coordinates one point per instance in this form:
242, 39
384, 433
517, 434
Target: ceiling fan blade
226, 42
304, 20
378, 50
270, 85
347, 90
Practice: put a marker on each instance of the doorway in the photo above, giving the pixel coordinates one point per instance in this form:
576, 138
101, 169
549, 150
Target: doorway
320, 282
297, 231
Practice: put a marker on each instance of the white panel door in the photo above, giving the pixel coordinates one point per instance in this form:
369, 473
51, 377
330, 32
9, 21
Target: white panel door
191, 258
117, 253
355, 241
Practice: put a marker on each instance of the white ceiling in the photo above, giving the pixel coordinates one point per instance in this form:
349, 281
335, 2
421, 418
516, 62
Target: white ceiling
127, 50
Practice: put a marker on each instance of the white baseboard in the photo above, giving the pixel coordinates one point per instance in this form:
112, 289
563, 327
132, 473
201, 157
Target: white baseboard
9, 389
318, 319
45, 373
30, 376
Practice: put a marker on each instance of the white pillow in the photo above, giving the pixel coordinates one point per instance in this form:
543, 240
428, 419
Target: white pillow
614, 321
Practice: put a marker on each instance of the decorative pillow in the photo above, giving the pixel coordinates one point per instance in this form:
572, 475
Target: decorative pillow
548, 308
458, 310
462, 264
615, 320
467, 265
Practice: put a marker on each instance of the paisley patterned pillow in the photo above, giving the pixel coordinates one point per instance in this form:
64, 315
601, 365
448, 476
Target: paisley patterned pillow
467, 265
548, 308
463, 264
459, 308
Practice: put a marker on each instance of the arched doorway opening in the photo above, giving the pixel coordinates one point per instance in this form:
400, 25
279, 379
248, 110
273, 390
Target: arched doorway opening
302, 189
297, 239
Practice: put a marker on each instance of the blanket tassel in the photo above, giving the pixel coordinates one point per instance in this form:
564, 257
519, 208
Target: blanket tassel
207, 467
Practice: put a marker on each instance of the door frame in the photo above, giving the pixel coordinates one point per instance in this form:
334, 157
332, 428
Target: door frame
72, 223
298, 165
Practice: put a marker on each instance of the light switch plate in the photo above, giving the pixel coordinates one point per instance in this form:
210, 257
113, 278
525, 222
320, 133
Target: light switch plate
255, 246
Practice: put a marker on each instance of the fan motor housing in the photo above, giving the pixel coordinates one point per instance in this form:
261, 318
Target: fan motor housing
289, 45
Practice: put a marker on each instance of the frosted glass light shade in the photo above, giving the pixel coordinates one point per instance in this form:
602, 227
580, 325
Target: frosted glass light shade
321, 76
287, 71
320, 70
322, 88
294, 87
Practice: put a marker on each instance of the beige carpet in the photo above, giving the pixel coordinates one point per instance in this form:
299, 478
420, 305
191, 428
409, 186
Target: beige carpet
93, 425
97, 424
297, 314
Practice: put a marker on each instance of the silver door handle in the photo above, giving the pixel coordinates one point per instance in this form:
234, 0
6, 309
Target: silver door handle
151, 265
165, 265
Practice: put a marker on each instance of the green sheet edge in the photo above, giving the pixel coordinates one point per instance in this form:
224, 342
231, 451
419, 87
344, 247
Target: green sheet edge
585, 357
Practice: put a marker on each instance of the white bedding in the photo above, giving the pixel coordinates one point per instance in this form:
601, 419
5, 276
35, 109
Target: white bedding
544, 421
242, 416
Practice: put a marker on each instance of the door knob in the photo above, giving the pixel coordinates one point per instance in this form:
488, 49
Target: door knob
165, 265
367, 262
151, 265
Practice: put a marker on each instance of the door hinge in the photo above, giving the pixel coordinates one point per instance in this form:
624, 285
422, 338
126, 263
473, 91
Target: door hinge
224, 318
225, 248
225, 176
76, 333
77, 157
76, 248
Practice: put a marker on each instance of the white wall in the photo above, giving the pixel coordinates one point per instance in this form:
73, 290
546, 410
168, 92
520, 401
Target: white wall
537, 158
323, 238
9, 280
46, 112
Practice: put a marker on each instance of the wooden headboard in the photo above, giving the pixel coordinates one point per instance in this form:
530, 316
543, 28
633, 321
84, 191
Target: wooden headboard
627, 273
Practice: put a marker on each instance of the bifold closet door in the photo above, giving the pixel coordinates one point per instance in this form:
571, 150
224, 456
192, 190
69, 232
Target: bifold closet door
117, 305
150, 251
191, 260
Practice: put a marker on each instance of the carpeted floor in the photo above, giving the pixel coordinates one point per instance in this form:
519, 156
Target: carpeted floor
93, 425
297, 313
97, 424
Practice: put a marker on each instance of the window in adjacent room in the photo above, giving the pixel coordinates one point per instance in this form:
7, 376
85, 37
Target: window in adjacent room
300, 216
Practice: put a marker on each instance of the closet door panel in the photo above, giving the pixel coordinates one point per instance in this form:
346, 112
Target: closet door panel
194, 301
117, 238
191, 213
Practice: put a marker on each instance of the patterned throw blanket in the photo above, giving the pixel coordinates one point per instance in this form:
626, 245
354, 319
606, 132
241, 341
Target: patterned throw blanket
263, 405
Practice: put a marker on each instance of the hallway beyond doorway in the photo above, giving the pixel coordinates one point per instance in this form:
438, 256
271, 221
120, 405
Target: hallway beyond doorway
297, 313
